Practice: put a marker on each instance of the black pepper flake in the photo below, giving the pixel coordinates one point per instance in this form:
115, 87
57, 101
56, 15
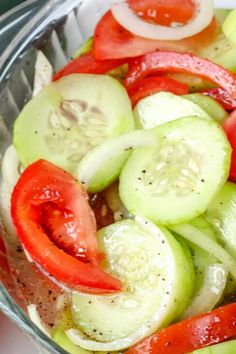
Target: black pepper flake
202, 180
101, 334
90, 302
35, 132
94, 330
19, 249
144, 171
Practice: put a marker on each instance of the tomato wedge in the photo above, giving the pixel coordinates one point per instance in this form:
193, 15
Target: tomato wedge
194, 333
87, 64
112, 41
152, 63
163, 12
3, 258
44, 185
151, 85
221, 96
229, 127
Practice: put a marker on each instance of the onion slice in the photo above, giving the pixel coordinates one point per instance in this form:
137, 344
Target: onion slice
134, 24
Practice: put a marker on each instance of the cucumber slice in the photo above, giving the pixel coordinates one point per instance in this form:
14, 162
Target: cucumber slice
85, 48
229, 27
174, 180
158, 280
194, 83
221, 213
211, 106
164, 107
221, 52
59, 336
203, 241
102, 165
228, 347
70, 117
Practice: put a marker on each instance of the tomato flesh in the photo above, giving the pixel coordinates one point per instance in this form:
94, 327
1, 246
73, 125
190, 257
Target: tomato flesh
194, 333
151, 85
153, 63
163, 12
87, 64
44, 186
222, 96
112, 41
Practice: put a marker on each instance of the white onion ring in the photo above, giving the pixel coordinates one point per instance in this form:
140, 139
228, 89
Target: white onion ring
134, 24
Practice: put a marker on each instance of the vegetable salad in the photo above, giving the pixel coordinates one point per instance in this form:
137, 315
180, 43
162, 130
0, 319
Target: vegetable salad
118, 191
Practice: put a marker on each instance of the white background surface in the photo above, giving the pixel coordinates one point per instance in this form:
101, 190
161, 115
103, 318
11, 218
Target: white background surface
12, 340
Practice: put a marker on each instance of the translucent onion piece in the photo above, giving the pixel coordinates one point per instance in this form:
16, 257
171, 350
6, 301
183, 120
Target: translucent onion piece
201, 240
10, 175
210, 293
134, 24
35, 318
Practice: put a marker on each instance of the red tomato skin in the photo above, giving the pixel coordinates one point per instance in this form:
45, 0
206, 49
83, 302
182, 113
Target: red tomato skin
163, 12
112, 41
221, 96
155, 62
151, 85
191, 334
87, 64
43, 182
229, 127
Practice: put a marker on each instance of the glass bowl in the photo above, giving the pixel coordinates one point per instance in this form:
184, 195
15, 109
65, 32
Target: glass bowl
57, 28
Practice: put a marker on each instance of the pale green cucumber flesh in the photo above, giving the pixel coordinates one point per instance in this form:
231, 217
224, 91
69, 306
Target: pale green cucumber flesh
163, 107
221, 213
228, 347
221, 52
157, 279
102, 165
211, 106
70, 117
229, 28
175, 180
